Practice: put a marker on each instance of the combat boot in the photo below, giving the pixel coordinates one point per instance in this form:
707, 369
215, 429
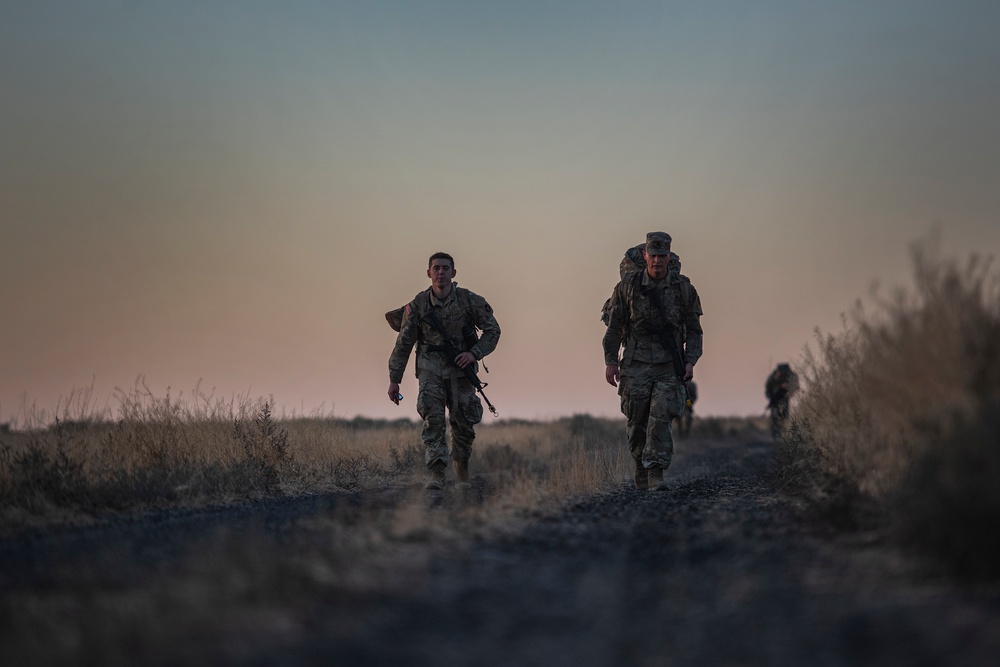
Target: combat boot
436, 482
641, 478
462, 475
654, 477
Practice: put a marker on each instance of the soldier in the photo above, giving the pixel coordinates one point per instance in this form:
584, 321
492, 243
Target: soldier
654, 314
780, 385
445, 309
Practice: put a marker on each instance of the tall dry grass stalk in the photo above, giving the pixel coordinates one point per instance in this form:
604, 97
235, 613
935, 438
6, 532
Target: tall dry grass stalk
899, 384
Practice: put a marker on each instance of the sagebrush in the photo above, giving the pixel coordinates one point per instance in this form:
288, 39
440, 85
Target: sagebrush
896, 418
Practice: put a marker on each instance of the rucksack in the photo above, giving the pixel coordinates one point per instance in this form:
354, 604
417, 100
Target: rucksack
632, 263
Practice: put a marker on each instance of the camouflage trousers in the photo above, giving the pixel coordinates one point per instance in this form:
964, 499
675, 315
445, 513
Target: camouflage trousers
453, 393
652, 397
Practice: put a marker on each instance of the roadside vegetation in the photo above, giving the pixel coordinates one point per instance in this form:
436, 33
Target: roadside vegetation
324, 517
189, 451
165, 452
899, 420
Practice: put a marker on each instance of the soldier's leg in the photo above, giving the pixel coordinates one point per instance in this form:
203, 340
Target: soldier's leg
634, 390
432, 398
666, 404
780, 418
463, 433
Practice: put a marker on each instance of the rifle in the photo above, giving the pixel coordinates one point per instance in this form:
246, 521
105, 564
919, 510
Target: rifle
451, 351
669, 330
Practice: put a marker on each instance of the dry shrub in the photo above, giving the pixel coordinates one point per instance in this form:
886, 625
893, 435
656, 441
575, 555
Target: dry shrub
948, 504
158, 452
895, 390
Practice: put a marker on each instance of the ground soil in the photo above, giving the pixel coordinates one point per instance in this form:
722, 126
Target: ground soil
721, 569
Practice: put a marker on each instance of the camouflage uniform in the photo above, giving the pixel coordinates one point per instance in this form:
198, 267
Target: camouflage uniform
442, 384
652, 394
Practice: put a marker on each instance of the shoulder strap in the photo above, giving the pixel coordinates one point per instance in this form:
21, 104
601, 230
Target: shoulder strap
422, 303
685, 289
422, 306
465, 300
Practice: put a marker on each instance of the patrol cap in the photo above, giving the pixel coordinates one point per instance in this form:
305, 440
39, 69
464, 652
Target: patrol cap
657, 243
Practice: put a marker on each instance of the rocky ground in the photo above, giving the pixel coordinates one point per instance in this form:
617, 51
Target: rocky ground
722, 569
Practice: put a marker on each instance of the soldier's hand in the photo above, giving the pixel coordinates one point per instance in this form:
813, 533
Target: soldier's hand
612, 375
688, 372
464, 359
394, 392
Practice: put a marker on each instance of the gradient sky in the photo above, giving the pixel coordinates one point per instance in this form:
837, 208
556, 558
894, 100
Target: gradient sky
234, 192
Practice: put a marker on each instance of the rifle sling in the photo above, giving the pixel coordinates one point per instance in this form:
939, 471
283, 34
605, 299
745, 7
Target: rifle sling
448, 347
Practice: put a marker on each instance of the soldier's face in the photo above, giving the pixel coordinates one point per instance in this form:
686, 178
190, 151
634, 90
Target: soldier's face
441, 273
656, 265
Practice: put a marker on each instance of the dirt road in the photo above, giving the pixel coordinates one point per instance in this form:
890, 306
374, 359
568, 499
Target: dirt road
720, 570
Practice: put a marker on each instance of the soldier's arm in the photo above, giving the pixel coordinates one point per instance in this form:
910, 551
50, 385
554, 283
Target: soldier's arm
616, 322
692, 328
487, 323
405, 339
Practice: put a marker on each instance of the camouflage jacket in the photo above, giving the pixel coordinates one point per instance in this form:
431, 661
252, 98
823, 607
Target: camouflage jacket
634, 320
461, 309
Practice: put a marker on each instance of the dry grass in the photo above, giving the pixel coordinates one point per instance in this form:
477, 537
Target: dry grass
184, 451
896, 413
188, 451
244, 587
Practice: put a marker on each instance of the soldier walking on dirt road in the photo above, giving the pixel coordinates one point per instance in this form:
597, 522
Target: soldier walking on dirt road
654, 323
781, 384
442, 322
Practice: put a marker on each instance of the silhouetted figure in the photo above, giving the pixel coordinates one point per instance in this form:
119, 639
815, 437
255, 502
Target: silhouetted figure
651, 345
442, 322
781, 384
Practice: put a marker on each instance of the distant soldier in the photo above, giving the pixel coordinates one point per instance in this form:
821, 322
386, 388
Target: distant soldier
654, 324
684, 422
781, 384
442, 322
